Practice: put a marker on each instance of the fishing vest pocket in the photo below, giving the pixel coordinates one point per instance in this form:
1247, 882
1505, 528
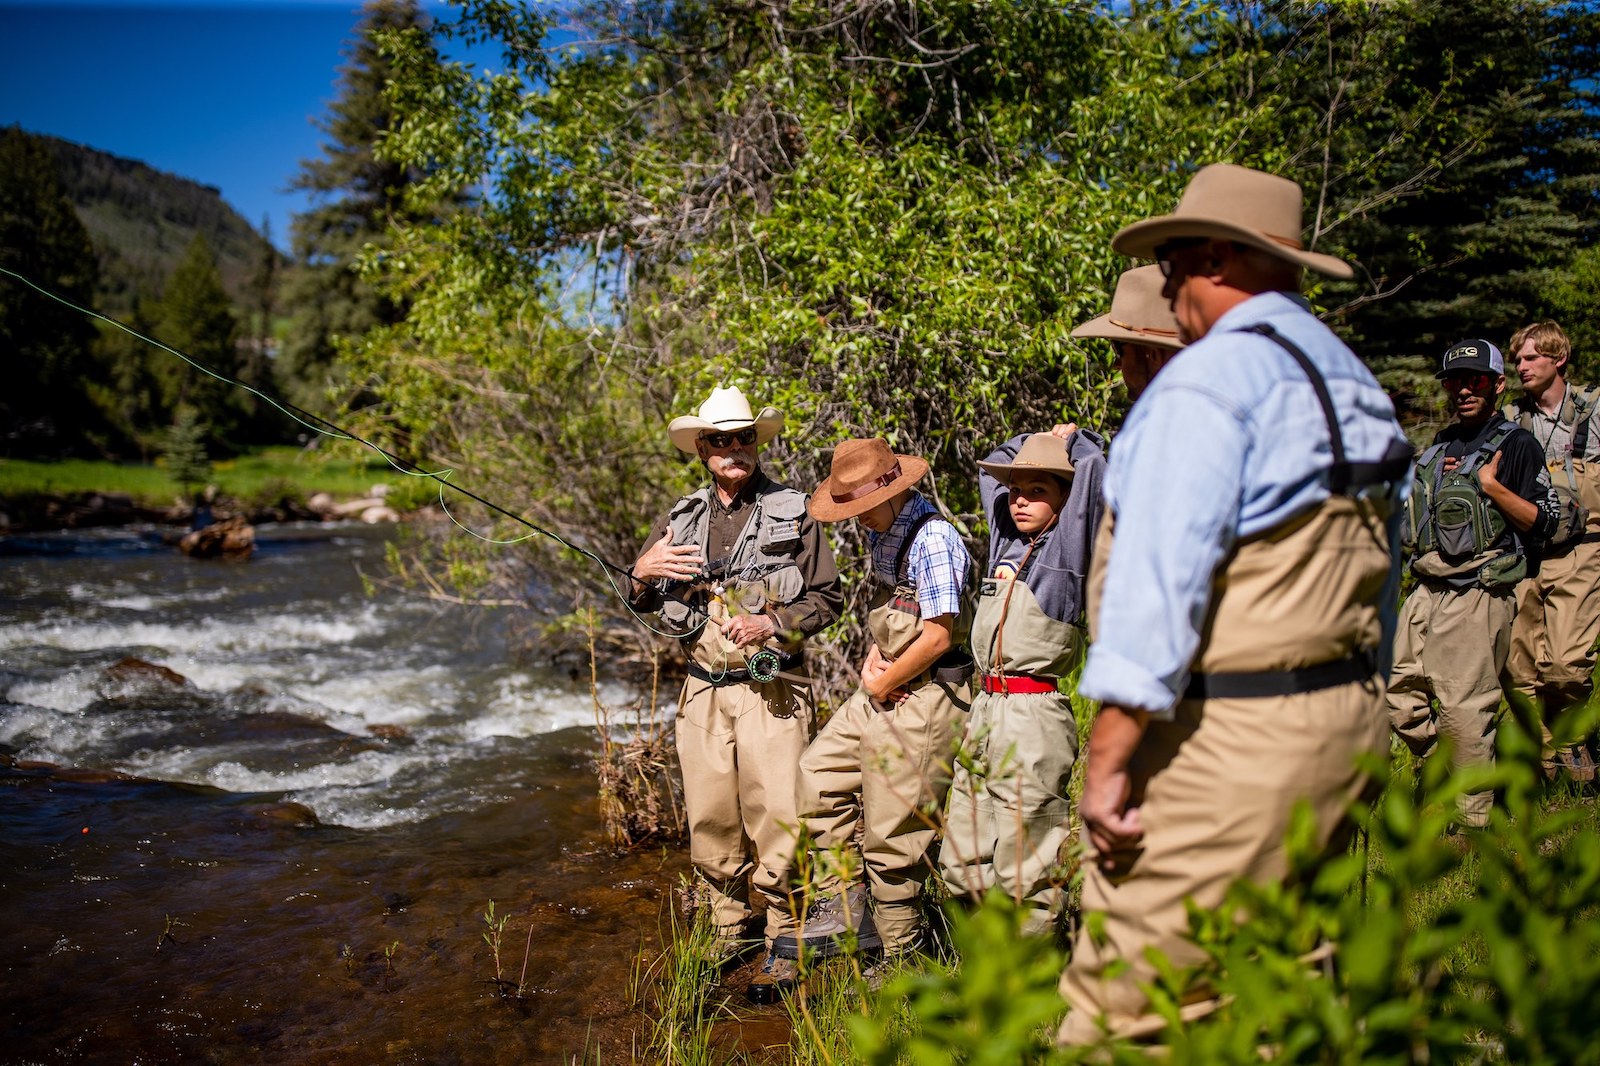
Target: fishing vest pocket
1461, 521
1504, 572
1571, 514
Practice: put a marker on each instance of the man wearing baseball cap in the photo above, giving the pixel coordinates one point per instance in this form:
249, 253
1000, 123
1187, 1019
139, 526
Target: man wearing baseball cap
749, 573
1240, 598
1480, 509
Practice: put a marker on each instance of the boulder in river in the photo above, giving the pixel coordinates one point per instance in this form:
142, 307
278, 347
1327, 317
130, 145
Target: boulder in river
231, 538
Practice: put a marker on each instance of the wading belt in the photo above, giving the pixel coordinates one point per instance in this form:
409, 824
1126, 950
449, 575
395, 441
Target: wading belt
1556, 553
1019, 684
1266, 683
741, 675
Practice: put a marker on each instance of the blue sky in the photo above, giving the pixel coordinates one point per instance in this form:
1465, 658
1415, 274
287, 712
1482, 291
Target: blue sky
225, 94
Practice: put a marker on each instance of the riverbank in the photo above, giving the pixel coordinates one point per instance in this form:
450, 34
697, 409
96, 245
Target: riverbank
279, 484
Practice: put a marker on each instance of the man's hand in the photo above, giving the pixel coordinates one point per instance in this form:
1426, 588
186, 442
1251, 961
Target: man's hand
1064, 430
872, 670
745, 629
1114, 828
679, 562
1489, 473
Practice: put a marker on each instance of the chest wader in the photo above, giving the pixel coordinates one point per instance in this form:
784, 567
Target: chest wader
903, 755
741, 731
1576, 479
1281, 703
1008, 813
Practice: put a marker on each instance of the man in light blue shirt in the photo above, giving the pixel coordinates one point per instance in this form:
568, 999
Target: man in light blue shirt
1242, 609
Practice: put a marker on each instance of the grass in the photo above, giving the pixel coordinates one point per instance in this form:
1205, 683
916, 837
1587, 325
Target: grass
259, 475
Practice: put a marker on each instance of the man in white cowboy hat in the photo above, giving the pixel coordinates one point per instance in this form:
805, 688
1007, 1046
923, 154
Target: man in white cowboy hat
882, 763
758, 577
1007, 818
1140, 327
1241, 602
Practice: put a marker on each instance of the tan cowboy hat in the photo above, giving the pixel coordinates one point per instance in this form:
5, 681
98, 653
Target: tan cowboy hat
725, 411
865, 473
1233, 203
1042, 452
1139, 313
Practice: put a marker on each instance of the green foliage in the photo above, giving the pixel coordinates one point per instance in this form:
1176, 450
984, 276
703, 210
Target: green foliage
47, 345
196, 317
187, 461
998, 1007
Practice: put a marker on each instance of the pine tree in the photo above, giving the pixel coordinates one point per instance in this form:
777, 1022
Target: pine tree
46, 344
361, 196
196, 317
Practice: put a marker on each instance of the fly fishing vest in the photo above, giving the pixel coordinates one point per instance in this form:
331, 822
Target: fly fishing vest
759, 575
1450, 515
1576, 479
1295, 608
895, 620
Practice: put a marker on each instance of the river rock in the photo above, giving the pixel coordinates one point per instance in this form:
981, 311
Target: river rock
137, 670
231, 538
322, 503
288, 812
352, 508
388, 731
373, 515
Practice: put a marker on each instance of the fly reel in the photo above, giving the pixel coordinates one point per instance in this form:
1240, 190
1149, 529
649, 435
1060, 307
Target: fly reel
764, 665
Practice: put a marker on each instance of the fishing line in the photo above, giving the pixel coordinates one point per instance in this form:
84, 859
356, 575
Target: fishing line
405, 466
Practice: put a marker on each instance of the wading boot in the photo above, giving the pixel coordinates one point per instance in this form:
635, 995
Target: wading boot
774, 980
1578, 764
832, 926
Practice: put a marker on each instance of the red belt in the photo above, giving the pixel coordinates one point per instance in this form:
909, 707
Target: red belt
1018, 684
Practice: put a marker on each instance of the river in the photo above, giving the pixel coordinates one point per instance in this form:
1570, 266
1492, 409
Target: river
283, 851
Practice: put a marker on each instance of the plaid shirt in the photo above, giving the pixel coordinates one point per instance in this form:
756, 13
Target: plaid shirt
937, 564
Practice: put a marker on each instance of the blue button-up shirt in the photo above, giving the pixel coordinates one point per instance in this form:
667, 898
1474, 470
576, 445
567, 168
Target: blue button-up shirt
1227, 442
937, 563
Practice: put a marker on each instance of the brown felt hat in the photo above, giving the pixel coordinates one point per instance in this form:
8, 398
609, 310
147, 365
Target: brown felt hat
1041, 452
1233, 203
1139, 314
866, 472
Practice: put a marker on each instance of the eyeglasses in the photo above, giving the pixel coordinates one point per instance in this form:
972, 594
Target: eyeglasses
1473, 380
725, 440
1165, 249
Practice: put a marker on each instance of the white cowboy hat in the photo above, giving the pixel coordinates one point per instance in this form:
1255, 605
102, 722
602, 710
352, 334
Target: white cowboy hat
725, 411
1233, 203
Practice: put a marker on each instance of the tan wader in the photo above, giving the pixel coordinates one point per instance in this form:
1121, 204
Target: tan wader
739, 744
884, 768
1557, 623
1007, 817
1451, 646
1216, 786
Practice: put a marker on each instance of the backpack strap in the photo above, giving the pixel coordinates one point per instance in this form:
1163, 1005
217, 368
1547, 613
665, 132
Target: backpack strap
1344, 477
1582, 407
905, 546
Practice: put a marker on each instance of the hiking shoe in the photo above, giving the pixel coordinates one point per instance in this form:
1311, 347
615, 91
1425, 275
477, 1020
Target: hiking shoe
773, 981
829, 926
1577, 763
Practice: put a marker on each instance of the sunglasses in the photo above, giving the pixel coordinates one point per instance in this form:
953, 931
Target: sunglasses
726, 440
1474, 380
1165, 249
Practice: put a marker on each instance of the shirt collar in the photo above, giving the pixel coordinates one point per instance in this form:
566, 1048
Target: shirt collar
747, 493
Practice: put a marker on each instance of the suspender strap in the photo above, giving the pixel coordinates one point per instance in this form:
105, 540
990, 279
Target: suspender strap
1343, 476
905, 545
1359, 667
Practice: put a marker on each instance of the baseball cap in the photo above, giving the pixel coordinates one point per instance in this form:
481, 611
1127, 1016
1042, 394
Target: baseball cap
1474, 354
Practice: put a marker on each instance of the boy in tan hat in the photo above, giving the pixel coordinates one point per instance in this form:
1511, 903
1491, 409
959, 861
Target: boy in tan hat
1008, 810
758, 577
1241, 607
1140, 327
883, 760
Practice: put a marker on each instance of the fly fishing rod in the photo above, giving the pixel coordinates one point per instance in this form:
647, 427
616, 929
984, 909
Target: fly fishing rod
316, 423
